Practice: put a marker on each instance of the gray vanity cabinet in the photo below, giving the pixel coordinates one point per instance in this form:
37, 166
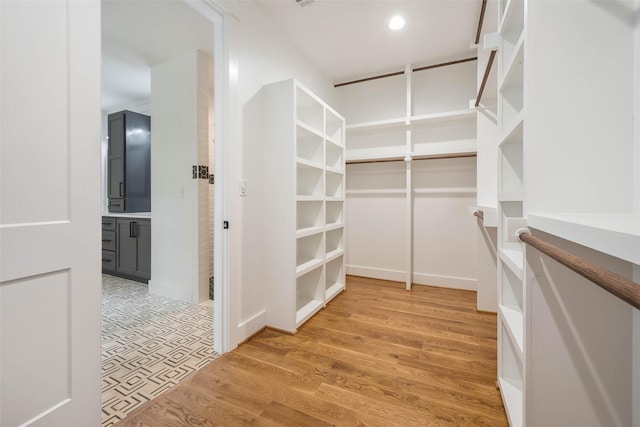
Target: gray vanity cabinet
126, 247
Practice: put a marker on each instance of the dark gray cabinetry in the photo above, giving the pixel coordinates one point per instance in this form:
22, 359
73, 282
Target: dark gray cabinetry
126, 247
129, 162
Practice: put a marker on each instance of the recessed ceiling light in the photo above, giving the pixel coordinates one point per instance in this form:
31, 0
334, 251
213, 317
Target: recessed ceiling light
396, 22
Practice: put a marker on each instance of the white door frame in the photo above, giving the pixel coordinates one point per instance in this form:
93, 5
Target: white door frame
211, 10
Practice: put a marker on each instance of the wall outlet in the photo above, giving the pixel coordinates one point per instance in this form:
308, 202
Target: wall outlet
242, 188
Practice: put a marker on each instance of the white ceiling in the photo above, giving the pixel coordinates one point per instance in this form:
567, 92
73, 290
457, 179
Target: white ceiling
139, 34
350, 38
344, 38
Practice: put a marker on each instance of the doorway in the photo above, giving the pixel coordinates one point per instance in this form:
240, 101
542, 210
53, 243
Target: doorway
140, 40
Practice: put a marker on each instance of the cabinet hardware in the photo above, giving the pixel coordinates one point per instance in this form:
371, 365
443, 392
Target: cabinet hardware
225, 225
120, 189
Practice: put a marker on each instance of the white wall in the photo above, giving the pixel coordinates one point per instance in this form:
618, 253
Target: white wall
174, 194
259, 54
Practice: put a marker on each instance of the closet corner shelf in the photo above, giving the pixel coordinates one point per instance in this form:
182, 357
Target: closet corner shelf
310, 128
334, 141
308, 266
303, 198
330, 256
303, 232
615, 235
445, 116
333, 291
511, 391
378, 124
512, 319
514, 131
334, 170
306, 311
514, 260
513, 66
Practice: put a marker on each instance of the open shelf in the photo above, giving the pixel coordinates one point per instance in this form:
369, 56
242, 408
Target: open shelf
512, 321
334, 239
456, 115
309, 145
309, 215
309, 180
377, 143
309, 110
334, 215
511, 168
510, 378
309, 294
442, 137
511, 290
334, 184
511, 32
512, 398
334, 277
514, 131
513, 259
309, 250
334, 127
334, 157
399, 122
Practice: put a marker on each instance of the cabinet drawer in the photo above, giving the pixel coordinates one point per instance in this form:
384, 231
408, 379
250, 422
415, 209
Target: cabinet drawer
116, 205
108, 240
108, 261
108, 223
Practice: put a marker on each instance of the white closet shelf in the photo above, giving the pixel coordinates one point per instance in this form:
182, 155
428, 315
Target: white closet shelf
334, 199
307, 310
514, 131
615, 235
378, 124
310, 128
308, 266
513, 72
373, 155
334, 170
333, 290
300, 198
508, 14
304, 232
309, 163
512, 397
334, 226
513, 321
444, 117
334, 141
441, 150
378, 192
445, 190
330, 256
514, 260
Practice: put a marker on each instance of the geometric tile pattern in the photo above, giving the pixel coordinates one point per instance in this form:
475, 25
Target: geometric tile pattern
149, 344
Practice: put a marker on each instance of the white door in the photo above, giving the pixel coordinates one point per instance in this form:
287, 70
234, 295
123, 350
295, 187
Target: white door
49, 213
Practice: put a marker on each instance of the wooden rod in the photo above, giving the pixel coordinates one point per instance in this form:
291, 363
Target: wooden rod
485, 77
382, 76
479, 214
624, 289
481, 20
444, 64
397, 73
425, 157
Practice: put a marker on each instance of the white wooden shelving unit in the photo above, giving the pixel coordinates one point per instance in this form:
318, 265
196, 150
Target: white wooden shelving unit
511, 272
412, 116
304, 203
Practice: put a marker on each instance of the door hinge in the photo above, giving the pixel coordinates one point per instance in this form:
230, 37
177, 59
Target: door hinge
225, 225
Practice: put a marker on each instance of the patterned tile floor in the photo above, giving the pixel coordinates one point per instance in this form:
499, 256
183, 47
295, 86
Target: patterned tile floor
149, 343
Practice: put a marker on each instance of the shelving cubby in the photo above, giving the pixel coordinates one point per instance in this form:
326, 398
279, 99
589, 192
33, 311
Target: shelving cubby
304, 202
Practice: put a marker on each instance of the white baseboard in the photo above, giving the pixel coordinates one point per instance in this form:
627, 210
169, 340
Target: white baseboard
169, 290
252, 325
418, 278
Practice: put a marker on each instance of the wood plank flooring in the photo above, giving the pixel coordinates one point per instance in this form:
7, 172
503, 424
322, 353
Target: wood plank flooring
376, 355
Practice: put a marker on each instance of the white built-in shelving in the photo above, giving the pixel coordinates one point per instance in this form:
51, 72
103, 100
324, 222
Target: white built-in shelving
511, 196
304, 203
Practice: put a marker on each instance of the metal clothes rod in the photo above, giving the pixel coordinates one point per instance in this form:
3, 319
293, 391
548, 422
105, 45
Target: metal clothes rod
481, 20
479, 214
401, 159
397, 73
485, 77
624, 289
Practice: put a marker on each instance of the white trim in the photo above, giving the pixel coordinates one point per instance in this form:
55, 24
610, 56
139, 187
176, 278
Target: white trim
212, 10
253, 324
635, 358
418, 278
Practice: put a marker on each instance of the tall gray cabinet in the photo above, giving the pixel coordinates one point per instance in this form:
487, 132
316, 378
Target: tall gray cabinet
129, 162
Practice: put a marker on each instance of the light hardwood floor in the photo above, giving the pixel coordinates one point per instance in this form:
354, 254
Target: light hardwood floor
376, 355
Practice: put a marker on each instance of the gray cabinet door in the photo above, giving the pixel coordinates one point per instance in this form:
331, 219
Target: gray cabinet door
116, 159
143, 233
126, 254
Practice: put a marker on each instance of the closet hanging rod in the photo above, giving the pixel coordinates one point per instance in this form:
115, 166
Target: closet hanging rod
398, 73
485, 77
425, 157
479, 214
624, 289
483, 9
